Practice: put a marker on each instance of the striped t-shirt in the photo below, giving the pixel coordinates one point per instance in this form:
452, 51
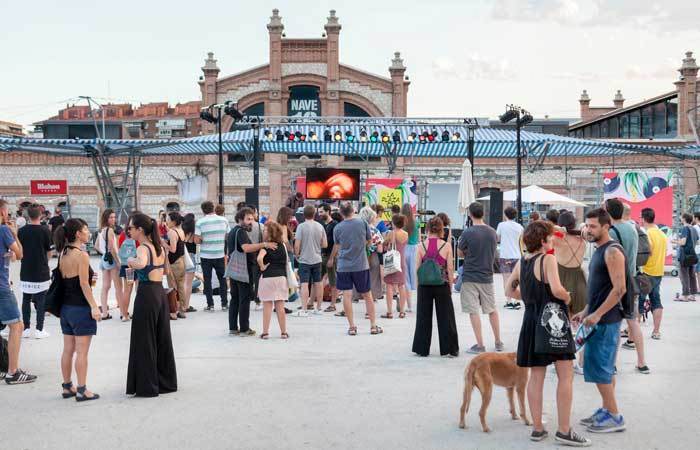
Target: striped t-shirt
212, 229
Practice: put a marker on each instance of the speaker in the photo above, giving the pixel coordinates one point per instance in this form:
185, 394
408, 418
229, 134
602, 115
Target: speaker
250, 196
495, 208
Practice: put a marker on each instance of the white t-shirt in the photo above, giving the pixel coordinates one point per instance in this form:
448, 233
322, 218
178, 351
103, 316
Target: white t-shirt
509, 233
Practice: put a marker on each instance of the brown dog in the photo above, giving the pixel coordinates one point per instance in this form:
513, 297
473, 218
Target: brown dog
500, 369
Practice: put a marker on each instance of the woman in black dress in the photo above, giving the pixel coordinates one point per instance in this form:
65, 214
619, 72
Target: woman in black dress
535, 280
151, 358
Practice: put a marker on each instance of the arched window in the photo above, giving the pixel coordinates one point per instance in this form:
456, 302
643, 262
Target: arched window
352, 110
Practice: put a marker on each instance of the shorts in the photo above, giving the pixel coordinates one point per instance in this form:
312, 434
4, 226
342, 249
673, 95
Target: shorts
122, 271
507, 265
475, 296
104, 265
309, 273
345, 281
273, 289
326, 271
601, 351
77, 321
9, 312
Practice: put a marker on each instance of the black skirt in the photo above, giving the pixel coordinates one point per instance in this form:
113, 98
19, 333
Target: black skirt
527, 357
151, 359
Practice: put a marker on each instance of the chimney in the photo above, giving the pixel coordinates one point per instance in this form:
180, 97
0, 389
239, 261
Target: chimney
619, 100
585, 102
687, 93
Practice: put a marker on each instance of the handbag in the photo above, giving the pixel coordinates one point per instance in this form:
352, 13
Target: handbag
237, 268
189, 264
392, 261
553, 330
292, 282
108, 257
53, 301
430, 273
172, 300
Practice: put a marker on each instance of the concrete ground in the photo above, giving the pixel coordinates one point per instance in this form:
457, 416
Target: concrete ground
322, 389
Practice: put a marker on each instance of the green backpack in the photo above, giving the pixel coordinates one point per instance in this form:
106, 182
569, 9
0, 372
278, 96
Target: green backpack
430, 273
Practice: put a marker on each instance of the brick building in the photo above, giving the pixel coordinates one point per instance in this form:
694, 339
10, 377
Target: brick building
10, 129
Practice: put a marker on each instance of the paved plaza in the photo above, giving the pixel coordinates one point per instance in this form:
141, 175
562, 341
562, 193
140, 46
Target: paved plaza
322, 389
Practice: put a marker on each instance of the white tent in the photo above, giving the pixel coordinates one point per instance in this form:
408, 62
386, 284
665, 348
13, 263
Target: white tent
536, 194
466, 187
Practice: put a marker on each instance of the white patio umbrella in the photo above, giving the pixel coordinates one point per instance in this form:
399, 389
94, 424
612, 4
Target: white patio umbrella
466, 188
536, 194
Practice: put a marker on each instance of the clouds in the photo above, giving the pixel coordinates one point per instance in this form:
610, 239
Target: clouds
665, 71
472, 67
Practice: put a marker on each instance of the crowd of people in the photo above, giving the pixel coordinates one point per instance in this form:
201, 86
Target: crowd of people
319, 253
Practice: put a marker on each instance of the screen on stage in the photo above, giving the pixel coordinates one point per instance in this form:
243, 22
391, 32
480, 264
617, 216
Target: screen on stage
332, 184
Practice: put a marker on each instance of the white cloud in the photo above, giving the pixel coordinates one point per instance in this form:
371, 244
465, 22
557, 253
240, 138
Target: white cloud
472, 67
666, 71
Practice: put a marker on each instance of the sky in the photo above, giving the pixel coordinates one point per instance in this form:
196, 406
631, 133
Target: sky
464, 58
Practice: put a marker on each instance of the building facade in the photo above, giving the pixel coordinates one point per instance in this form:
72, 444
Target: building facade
10, 129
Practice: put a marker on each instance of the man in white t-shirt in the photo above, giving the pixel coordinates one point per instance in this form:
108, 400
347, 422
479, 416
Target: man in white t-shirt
509, 233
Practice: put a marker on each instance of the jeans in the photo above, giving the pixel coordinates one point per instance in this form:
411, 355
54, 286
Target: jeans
688, 281
411, 276
39, 300
654, 295
218, 265
239, 312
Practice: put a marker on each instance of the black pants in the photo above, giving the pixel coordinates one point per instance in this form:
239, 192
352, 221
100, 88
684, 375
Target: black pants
239, 312
218, 266
38, 300
447, 327
254, 272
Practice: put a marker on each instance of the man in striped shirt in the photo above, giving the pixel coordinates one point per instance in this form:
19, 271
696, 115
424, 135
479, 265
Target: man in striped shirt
210, 233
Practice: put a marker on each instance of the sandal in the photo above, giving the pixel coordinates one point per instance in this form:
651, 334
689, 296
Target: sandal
376, 330
340, 314
107, 317
352, 331
284, 335
181, 315
656, 336
81, 397
264, 336
68, 387
402, 315
329, 309
384, 316
366, 315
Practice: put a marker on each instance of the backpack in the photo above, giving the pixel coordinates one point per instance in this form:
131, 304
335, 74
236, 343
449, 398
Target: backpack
632, 291
430, 273
644, 248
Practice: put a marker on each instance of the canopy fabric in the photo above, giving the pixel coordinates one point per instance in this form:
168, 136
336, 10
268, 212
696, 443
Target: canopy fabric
466, 188
536, 194
488, 143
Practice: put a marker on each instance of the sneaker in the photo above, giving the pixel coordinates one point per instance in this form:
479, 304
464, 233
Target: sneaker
516, 306
41, 334
476, 349
607, 423
249, 332
588, 421
644, 369
234, 333
209, 308
224, 307
301, 313
624, 334
500, 347
578, 369
656, 336
2, 375
27, 333
287, 311
258, 306
629, 345
20, 377
572, 439
538, 436
508, 305
5, 333
191, 309
318, 312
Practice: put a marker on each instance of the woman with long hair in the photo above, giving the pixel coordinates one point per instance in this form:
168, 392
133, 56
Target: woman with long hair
374, 249
412, 227
110, 261
535, 280
127, 249
435, 249
273, 289
176, 258
151, 359
284, 219
188, 229
79, 310
397, 238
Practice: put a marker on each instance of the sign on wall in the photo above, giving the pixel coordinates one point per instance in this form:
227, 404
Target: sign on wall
48, 187
304, 102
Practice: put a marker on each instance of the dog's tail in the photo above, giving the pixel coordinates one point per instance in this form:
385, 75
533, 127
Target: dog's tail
468, 388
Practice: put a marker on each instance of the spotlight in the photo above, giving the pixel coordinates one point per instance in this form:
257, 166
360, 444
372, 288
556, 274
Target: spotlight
338, 136
374, 137
349, 137
507, 116
397, 136
445, 136
300, 136
457, 136
208, 116
230, 110
327, 137
279, 135
363, 136
312, 136
412, 137
268, 135
525, 119
423, 137
431, 136
385, 137
289, 136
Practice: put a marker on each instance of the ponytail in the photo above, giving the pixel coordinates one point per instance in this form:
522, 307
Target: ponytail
150, 229
59, 238
67, 233
154, 235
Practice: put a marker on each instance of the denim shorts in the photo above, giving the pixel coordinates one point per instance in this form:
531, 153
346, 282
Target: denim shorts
360, 280
104, 265
77, 321
9, 312
601, 350
310, 273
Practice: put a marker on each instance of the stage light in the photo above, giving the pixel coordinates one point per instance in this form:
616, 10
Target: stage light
363, 136
207, 116
507, 116
397, 136
431, 136
445, 136
327, 136
280, 135
423, 137
268, 135
230, 110
338, 136
313, 137
289, 136
411, 137
385, 137
349, 137
374, 137
525, 119
300, 136
457, 136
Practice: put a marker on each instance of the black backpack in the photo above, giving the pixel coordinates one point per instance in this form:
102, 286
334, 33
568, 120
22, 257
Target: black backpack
629, 300
644, 248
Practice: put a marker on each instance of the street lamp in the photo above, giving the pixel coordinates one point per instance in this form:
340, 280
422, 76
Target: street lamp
522, 118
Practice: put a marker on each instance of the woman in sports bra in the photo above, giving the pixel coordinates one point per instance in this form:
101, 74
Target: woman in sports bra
79, 310
151, 359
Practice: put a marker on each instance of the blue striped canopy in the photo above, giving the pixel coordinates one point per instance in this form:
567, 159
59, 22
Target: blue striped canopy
488, 143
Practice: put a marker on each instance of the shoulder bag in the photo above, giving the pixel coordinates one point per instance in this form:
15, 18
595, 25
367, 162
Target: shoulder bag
237, 268
292, 282
553, 330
